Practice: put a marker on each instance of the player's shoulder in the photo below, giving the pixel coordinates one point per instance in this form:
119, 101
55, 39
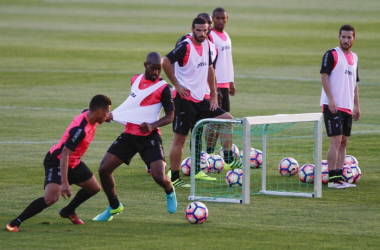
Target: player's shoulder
133, 79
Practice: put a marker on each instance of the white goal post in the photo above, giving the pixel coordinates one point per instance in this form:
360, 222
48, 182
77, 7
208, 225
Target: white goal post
247, 123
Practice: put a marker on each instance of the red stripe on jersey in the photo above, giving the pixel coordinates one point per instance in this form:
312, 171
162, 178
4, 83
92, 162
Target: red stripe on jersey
187, 56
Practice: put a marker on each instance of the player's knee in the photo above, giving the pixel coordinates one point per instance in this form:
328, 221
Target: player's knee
50, 200
226, 115
94, 190
104, 170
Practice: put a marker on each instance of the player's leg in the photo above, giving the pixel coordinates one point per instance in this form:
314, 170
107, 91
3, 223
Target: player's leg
52, 193
175, 155
159, 176
211, 137
226, 139
334, 129
121, 151
83, 177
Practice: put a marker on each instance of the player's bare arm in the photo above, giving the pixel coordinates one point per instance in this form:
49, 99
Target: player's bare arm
357, 112
165, 120
232, 89
212, 84
326, 86
168, 69
64, 166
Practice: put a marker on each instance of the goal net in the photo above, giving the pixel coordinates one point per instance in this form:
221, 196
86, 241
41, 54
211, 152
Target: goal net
297, 138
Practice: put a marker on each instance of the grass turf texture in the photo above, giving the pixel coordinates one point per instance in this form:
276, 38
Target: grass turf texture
55, 55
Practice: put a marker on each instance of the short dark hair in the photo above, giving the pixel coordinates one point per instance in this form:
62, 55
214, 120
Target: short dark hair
100, 102
199, 20
219, 9
347, 27
205, 16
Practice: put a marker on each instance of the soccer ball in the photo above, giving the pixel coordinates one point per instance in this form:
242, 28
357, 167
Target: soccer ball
196, 212
255, 158
216, 164
186, 165
325, 172
204, 164
234, 177
356, 172
234, 149
349, 159
148, 170
288, 166
205, 155
347, 174
306, 173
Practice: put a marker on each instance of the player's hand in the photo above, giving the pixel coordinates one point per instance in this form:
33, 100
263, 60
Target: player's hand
232, 89
213, 103
182, 91
109, 117
145, 127
333, 107
357, 113
65, 190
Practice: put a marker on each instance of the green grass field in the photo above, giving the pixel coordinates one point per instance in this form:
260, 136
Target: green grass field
56, 54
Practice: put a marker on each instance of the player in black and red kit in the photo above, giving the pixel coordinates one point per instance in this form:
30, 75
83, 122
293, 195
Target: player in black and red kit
63, 165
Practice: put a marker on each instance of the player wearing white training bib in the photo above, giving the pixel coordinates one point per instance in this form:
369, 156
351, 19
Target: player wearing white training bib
340, 101
192, 72
224, 68
140, 115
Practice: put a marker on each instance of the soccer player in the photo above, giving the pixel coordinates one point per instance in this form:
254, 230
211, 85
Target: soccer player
63, 165
193, 71
140, 115
213, 53
224, 71
340, 101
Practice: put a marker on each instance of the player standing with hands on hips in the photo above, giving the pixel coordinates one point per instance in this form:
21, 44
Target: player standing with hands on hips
63, 165
340, 101
193, 70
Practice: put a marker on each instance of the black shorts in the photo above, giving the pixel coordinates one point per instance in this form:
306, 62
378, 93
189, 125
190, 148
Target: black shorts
79, 174
224, 99
187, 113
149, 147
337, 124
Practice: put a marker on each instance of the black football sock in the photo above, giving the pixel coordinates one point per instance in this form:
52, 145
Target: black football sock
210, 149
114, 202
338, 174
332, 175
228, 156
79, 198
175, 175
34, 208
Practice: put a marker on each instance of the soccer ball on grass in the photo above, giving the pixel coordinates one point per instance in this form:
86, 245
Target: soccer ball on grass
196, 212
288, 167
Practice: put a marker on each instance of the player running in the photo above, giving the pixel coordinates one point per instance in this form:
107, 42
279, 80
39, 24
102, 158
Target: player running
63, 166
